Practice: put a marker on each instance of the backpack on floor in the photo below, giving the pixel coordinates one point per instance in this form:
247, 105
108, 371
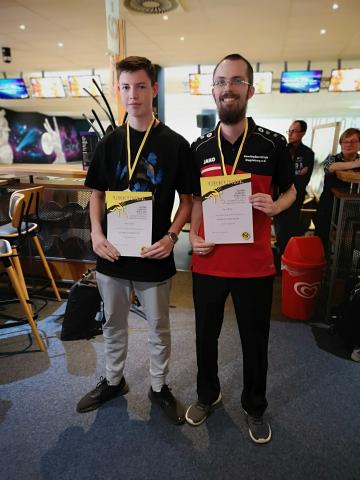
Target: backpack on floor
84, 312
347, 318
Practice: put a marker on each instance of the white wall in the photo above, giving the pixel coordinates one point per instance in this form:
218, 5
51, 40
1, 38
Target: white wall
275, 111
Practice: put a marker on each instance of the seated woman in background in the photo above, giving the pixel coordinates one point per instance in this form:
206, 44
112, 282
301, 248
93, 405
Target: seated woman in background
347, 159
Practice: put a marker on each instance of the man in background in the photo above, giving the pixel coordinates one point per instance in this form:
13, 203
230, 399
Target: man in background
287, 223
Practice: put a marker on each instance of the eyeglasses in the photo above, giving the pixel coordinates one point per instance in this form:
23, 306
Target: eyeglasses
350, 142
235, 82
294, 131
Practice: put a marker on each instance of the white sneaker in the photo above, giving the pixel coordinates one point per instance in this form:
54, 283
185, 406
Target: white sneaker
356, 354
259, 429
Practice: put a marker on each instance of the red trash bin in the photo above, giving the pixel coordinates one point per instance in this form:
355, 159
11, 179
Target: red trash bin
302, 266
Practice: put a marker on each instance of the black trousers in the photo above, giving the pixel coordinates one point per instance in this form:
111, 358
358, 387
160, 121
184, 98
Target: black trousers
287, 223
252, 298
323, 218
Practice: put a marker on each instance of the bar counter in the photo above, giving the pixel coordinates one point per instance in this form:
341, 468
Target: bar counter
344, 260
64, 170
64, 215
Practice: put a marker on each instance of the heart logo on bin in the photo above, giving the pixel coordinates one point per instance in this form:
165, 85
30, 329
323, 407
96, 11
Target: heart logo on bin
307, 290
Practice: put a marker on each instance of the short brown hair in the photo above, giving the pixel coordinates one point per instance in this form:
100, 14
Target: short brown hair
133, 64
348, 133
236, 56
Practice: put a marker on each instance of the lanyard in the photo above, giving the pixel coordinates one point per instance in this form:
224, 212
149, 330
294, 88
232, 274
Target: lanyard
238, 153
131, 169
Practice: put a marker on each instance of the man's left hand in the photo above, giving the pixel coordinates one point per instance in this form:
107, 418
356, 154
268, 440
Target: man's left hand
264, 203
158, 250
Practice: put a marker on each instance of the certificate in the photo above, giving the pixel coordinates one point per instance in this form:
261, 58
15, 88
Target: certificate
228, 215
129, 221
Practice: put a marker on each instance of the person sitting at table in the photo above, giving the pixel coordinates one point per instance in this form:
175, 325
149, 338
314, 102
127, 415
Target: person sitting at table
347, 159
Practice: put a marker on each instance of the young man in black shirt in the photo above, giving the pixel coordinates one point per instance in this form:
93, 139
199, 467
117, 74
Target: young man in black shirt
142, 156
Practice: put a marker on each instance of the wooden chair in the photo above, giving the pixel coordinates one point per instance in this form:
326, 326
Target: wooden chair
7, 257
23, 209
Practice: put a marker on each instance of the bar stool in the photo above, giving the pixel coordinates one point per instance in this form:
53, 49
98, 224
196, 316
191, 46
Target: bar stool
23, 208
7, 257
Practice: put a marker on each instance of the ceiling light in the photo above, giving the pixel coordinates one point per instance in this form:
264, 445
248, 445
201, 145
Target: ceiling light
322, 31
60, 44
354, 107
22, 27
182, 38
335, 6
165, 17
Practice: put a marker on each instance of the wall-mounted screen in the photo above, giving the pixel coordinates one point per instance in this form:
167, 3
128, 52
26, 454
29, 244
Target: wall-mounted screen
200, 83
345, 80
300, 81
77, 83
262, 82
47, 87
13, 89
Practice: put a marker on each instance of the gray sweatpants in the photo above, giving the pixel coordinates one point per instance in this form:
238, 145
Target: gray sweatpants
154, 298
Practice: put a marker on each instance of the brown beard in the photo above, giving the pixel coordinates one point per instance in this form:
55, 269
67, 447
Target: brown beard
231, 116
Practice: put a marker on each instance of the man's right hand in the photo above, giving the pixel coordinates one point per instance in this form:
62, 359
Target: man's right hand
103, 248
199, 246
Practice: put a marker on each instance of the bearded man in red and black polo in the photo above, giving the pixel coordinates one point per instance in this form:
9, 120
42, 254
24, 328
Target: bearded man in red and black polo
246, 269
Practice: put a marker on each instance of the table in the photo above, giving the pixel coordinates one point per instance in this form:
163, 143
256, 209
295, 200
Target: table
352, 177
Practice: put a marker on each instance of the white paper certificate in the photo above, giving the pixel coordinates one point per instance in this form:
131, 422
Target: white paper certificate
129, 221
228, 216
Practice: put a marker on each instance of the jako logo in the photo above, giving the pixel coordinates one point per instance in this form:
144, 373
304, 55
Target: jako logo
209, 160
307, 290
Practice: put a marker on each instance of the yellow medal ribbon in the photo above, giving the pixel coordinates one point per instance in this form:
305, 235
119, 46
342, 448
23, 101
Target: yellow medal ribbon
238, 153
131, 169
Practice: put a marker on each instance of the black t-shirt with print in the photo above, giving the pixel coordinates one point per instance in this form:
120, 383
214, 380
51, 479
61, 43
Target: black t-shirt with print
163, 167
302, 156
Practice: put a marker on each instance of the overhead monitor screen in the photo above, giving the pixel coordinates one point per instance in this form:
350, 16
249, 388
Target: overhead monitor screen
13, 89
77, 83
47, 87
262, 82
345, 80
300, 81
200, 83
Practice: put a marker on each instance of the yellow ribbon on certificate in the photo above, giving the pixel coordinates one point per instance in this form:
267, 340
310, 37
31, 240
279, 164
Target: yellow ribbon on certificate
131, 169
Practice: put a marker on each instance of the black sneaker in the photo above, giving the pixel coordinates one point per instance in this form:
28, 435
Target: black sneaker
259, 429
171, 407
101, 394
198, 412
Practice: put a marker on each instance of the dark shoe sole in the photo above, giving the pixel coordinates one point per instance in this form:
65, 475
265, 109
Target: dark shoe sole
179, 421
95, 406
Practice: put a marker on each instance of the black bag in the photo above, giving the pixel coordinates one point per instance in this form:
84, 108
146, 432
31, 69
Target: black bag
84, 313
347, 318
